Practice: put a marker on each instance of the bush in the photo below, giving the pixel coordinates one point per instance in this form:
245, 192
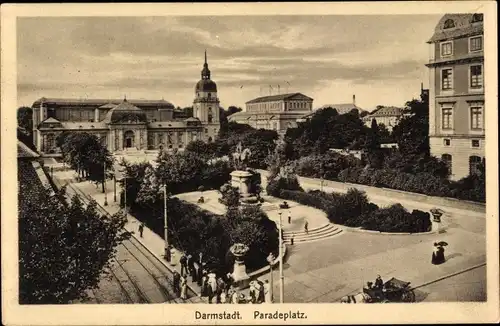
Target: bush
283, 183
353, 209
396, 219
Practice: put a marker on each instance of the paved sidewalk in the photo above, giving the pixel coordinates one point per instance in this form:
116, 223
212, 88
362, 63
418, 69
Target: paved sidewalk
151, 240
299, 213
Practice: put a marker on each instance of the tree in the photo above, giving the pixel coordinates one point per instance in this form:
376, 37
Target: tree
412, 132
150, 188
86, 154
25, 121
63, 249
206, 151
230, 196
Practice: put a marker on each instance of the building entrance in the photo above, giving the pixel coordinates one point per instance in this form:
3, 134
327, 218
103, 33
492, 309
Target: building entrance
128, 139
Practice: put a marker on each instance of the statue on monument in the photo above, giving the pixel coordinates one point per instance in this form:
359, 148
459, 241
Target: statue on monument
240, 157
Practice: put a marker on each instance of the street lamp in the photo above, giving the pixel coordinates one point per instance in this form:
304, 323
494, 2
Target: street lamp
270, 259
165, 227
114, 187
104, 184
282, 289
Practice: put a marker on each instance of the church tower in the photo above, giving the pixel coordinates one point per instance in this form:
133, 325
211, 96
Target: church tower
206, 104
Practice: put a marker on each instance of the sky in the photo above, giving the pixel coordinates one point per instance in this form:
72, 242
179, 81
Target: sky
380, 59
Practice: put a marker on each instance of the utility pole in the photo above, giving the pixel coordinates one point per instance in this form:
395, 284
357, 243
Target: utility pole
270, 259
282, 285
114, 187
104, 184
165, 227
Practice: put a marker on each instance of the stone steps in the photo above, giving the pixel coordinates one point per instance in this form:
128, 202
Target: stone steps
324, 232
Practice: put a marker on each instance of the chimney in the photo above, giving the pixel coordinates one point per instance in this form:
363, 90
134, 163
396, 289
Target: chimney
354, 99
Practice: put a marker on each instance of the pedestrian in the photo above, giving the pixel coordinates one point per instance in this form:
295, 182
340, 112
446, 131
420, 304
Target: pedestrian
306, 227
183, 288
289, 216
177, 283
267, 292
212, 287
235, 298
291, 240
200, 273
434, 259
190, 265
440, 254
223, 297
204, 285
183, 261
141, 229
221, 287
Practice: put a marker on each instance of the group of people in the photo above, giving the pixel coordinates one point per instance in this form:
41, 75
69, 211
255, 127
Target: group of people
218, 288
438, 254
376, 289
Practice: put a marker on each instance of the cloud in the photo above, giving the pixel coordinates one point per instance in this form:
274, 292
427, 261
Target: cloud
164, 55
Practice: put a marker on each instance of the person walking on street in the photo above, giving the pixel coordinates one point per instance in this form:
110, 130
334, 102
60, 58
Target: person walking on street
141, 229
306, 227
183, 262
183, 288
289, 216
177, 283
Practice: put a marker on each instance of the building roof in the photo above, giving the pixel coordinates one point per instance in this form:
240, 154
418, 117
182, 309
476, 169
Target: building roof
464, 25
24, 152
206, 85
125, 112
387, 111
279, 97
241, 116
99, 102
342, 108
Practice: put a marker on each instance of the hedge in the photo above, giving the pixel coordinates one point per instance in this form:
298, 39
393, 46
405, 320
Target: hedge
353, 209
336, 167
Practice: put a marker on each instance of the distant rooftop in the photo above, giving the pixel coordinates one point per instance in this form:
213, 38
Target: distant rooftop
107, 103
278, 97
452, 26
387, 111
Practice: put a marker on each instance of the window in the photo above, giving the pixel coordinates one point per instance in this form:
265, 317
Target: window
476, 76
447, 142
475, 143
474, 165
449, 23
210, 118
475, 43
447, 117
477, 18
446, 49
476, 117
447, 79
447, 160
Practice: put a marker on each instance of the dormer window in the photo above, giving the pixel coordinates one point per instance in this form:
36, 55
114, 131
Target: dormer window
449, 23
477, 18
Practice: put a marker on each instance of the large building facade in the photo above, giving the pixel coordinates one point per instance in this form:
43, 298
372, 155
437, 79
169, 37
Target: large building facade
274, 112
129, 124
456, 93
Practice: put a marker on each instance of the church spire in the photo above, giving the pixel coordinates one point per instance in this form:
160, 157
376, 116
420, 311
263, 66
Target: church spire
205, 73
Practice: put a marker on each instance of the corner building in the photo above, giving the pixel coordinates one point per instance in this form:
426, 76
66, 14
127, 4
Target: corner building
129, 125
456, 93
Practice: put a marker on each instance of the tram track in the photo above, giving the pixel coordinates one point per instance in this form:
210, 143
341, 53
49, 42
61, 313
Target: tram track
148, 262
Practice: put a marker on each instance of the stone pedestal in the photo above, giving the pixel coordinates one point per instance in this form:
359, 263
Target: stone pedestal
241, 180
239, 275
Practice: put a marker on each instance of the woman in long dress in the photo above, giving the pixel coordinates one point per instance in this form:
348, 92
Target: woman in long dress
435, 254
267, 292
183, 287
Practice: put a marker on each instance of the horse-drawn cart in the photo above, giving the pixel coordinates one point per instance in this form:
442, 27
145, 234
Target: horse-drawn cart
393, 290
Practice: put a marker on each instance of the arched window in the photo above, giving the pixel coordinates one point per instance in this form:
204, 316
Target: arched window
474, 163
447, 160
449, 23
477, 18
210, 117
